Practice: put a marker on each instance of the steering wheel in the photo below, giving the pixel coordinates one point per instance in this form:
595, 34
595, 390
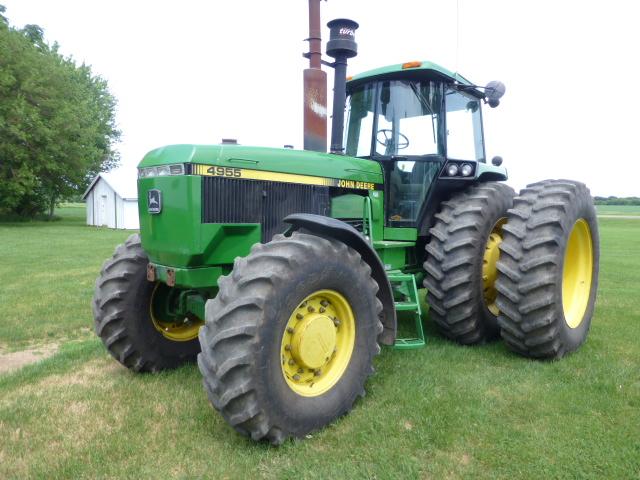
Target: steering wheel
387, 138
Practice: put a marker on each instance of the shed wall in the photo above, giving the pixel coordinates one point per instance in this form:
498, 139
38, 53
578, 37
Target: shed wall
106, 208
131, 219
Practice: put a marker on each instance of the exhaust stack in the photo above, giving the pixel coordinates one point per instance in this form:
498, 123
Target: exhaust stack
341, 46
315, 87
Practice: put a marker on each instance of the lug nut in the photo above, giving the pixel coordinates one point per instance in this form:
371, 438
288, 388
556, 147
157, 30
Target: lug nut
301, 370
310, 309
296, 377
324, 303
317, 372
287, 348
336, 322
299, 316
289, 330
322, 309
291, 362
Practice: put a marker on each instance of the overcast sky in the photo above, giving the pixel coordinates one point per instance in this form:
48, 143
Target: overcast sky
198, 71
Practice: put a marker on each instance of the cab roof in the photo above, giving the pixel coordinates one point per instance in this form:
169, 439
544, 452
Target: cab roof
412, 70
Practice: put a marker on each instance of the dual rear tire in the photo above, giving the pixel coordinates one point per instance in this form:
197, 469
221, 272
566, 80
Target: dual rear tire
548, 269
524, 268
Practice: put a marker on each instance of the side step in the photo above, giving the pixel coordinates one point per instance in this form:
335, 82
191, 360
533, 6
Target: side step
406, 284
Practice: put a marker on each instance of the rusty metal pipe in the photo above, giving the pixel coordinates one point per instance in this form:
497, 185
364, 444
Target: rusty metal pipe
315, 87
315, 40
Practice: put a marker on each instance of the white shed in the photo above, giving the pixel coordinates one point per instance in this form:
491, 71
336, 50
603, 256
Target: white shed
112, 201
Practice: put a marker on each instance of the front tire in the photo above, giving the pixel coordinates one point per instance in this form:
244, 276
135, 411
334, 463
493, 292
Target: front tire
123, 315
267, 379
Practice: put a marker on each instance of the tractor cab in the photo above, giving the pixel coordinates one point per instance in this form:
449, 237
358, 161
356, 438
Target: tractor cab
415, 119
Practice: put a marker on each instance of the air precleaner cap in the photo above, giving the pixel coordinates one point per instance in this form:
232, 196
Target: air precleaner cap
342, 38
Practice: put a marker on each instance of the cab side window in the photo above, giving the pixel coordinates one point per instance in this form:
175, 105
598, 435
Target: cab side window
464, 127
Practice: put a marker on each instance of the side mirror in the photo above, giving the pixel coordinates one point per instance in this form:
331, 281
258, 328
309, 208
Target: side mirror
497, 160
494, 92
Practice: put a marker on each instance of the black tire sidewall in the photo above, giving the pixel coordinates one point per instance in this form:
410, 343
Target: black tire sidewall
580, 208
122, 318
148, 340
302, 414
496, 210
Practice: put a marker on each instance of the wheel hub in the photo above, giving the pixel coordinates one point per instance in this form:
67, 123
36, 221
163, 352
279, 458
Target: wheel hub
317, 343
314, 341
162, 307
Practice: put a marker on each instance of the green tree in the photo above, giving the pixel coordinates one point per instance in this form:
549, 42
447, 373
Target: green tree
57, 123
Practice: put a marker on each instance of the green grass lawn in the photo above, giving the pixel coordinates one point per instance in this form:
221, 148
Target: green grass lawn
441, 412
48, 270
618, 209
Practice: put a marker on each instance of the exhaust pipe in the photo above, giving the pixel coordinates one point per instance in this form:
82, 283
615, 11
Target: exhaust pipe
341, 46
315, 87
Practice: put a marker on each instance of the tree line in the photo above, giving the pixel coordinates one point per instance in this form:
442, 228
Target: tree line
616, 201
57, 123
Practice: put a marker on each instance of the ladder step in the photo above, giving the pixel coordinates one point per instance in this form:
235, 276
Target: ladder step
410, 304
406, 306
409, 343
400, 277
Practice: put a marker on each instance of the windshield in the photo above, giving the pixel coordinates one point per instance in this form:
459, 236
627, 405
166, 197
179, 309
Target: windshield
394, 117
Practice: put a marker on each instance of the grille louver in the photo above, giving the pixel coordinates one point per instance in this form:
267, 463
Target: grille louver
254, 201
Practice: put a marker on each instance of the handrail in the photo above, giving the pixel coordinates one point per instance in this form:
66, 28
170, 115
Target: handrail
367, 219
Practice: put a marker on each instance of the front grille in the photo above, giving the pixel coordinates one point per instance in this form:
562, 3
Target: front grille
255, 201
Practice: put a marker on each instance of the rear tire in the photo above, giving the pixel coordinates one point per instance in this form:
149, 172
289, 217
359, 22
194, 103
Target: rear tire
537, 318
121, 310
454, 268
242, 361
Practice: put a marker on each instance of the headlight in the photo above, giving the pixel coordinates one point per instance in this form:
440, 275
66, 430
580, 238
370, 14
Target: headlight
162, 170
466, 170
146, 172
177, 169
452, 170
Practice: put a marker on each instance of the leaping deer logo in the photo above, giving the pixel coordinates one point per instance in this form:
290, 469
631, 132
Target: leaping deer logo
154, 204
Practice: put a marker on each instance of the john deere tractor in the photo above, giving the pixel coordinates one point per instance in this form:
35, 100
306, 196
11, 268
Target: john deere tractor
282, 271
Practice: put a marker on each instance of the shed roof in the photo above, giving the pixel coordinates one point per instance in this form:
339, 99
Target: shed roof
122, 181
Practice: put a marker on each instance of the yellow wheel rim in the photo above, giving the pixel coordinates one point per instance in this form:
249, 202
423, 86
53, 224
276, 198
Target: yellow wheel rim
317, 343
577, 273
489, 266
172, 327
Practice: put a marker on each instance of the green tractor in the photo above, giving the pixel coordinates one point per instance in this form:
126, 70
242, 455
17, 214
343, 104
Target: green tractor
282, 271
